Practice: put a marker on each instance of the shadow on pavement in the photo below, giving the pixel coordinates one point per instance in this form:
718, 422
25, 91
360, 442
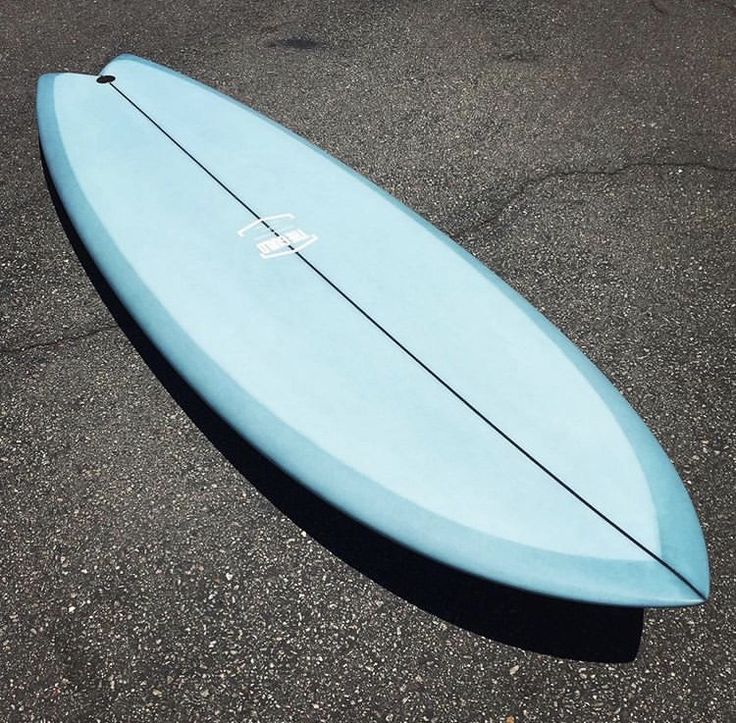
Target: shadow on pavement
513, 617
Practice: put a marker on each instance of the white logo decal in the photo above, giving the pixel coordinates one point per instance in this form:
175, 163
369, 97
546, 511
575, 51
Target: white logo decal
277, 235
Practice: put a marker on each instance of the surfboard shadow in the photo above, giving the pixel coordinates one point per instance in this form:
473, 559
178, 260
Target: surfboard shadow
514, 617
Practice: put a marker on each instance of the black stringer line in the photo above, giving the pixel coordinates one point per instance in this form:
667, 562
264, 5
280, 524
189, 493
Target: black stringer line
433, 374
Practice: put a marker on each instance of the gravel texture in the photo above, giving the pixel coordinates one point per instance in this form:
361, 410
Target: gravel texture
154, 568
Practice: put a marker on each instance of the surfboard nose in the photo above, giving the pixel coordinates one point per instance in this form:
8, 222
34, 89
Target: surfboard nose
694, 588
677, 573
681, 592
682, 547
692, 567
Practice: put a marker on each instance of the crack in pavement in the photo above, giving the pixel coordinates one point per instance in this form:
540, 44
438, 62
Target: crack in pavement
659, 7
57, 342
539, 180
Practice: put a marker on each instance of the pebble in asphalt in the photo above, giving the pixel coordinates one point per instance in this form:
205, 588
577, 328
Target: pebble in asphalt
585, 152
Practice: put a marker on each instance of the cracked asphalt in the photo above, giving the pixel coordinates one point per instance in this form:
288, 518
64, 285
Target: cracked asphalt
153, 569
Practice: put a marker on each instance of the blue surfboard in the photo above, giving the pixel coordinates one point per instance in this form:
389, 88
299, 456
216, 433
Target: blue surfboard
361, 349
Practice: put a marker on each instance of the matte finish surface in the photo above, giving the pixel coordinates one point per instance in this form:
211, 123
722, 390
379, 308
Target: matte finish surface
303, 374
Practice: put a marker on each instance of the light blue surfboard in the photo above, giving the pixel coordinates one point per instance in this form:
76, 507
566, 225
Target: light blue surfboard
361, 349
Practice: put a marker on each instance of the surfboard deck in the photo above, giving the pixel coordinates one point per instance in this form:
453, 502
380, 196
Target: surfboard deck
361, 349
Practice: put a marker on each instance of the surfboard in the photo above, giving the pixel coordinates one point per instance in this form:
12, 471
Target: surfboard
361, 349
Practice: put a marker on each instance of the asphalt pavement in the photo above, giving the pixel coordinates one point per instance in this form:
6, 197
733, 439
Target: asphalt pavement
155, 568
